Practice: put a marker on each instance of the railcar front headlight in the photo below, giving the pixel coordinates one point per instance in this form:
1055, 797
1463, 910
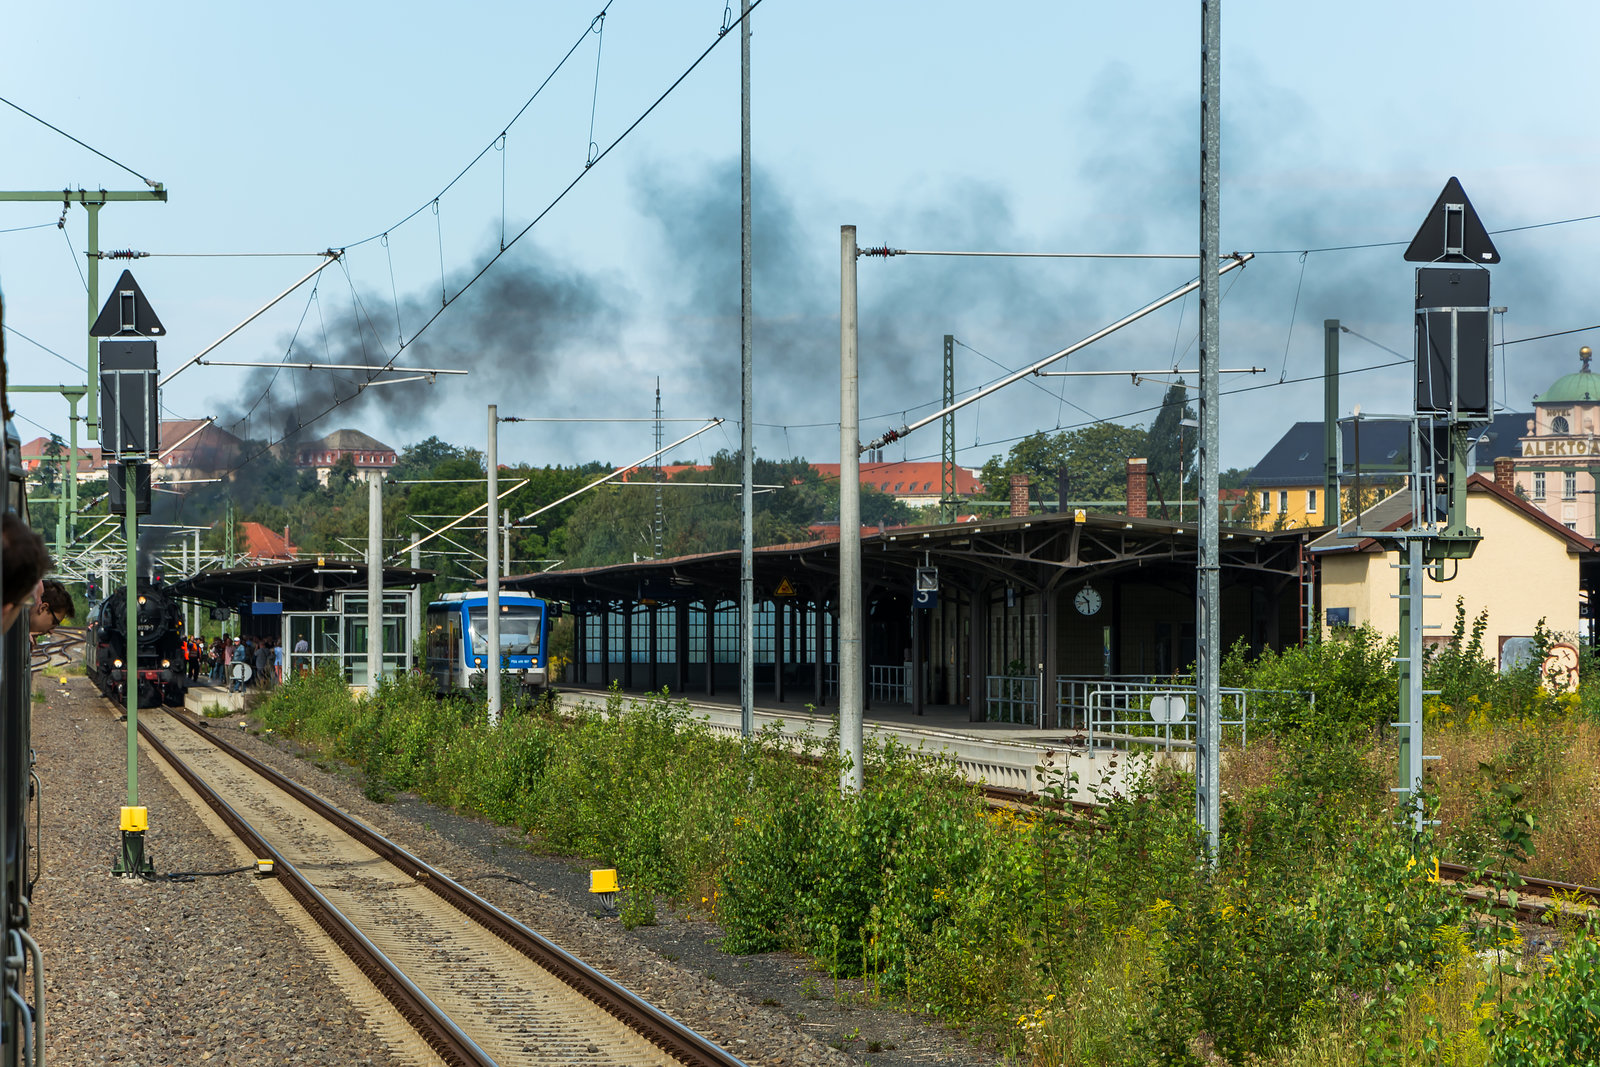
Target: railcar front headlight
166, 663
116, 663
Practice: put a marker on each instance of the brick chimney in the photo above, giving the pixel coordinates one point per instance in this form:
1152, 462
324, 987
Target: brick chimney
1505, 473
1138, 489
1019, 495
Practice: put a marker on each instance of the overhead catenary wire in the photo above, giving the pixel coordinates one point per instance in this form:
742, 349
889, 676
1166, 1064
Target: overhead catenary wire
1235, 260
493, 259
619, 471
496, 140
81, 144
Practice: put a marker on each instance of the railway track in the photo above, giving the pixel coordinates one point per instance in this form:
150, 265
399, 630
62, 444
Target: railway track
1538, 899
478, 986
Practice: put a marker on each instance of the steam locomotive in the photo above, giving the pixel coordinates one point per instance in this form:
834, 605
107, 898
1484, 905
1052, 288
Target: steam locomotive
159, 622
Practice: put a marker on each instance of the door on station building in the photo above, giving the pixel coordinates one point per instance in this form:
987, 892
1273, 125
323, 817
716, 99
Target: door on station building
1175, 647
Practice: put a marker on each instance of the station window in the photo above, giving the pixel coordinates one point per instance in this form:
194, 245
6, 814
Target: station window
1311, 501
1569, 485
1283, 501
1538, 485
1266, 502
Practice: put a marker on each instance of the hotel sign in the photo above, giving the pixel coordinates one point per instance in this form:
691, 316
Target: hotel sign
1556, 447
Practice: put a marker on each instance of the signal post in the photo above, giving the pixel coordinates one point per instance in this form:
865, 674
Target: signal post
130, 437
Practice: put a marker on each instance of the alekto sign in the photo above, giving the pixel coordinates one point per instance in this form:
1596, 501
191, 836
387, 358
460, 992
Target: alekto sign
1562, 447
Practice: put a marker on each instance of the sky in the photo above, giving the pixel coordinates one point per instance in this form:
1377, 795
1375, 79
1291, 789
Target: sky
293, 128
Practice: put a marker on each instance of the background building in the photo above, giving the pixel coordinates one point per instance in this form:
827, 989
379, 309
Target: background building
370, 456
1559, 461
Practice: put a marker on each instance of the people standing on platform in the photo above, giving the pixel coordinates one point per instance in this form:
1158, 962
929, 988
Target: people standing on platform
277, 662
263, 664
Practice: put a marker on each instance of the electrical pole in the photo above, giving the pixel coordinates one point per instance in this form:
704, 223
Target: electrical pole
374, 580
747, 580
416, 594
92, 203
1208, 746
947, 452
850, 609
1330, 421
491, 655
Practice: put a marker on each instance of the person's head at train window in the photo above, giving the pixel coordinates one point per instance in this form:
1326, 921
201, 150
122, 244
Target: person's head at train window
26, 561
51, 604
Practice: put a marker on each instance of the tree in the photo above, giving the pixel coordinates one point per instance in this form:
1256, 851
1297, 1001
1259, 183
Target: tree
1171, 450
1092, 458
420, 459
51, 468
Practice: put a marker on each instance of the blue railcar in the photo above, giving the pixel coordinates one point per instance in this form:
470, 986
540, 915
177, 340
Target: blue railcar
458, 648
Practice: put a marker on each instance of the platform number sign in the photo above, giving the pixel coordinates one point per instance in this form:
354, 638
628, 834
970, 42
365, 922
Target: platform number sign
925, 593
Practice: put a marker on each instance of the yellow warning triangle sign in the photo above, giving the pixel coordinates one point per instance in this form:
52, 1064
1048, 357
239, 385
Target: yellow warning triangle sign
784, 588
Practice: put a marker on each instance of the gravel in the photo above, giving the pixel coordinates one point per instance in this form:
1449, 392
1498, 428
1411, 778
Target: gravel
208, 972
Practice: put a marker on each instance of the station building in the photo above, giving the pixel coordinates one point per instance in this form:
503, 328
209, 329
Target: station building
1022, 610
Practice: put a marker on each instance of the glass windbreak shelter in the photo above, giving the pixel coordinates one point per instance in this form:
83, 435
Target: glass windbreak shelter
340, 635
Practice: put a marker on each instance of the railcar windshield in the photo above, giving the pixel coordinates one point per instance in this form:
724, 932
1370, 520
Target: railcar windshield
519, 629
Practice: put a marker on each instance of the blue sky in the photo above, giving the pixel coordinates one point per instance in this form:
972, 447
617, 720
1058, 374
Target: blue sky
1043, 127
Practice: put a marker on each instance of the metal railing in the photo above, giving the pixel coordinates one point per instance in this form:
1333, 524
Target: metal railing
887, 685
1011, 698
1152, 711
890, 685
1160, 715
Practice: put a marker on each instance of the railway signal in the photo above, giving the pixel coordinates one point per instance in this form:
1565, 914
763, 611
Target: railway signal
130, 437
1454, 388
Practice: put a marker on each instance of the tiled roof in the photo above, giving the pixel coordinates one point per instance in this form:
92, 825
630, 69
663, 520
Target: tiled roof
1393, 512
347, 441
1297, 457
907, 479
261, 543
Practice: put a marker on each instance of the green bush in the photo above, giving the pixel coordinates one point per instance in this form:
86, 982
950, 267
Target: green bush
997, 920
1555, 1017
1352, 676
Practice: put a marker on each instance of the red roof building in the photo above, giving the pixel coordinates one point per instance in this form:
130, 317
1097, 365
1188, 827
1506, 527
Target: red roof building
90, 465
262, 545
917, 484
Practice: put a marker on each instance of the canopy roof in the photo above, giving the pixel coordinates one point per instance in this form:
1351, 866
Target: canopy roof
302, 585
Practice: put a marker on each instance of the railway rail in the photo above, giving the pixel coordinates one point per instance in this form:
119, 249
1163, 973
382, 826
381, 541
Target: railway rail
479, 988
1538, 899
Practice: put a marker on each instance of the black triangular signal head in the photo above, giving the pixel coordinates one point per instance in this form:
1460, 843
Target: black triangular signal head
127, 313
1452, 232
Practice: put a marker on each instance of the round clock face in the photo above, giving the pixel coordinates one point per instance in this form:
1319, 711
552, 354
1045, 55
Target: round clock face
1088, 600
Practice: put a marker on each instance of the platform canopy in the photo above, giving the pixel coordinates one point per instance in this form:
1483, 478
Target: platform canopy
301, 585
1034, 550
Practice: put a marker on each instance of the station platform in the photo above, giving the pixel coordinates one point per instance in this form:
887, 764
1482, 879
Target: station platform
1001, 754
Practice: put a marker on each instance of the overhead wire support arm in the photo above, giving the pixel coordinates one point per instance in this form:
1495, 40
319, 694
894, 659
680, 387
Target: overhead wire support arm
641, 461
885, 252
1234, 260
426, 371
1141, 375
333, 256
452, 525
